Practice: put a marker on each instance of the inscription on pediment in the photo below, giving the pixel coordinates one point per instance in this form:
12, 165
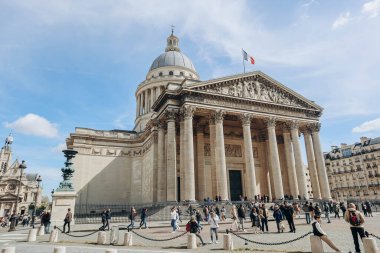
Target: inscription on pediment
258, 91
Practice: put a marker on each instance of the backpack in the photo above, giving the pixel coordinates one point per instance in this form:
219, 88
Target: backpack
354, 219
188, 226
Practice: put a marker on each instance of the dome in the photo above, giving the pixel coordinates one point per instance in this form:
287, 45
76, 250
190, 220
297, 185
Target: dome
172, 58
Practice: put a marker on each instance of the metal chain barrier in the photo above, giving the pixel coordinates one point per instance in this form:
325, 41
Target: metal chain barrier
271, 243
158, 240
377, 237
76, 235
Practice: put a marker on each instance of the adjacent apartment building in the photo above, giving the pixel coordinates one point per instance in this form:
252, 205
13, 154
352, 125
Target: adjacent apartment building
353, 170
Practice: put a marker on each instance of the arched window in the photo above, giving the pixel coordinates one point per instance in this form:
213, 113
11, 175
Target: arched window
170, 73
160, 74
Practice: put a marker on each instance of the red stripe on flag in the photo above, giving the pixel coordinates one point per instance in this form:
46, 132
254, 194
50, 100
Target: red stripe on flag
252, 60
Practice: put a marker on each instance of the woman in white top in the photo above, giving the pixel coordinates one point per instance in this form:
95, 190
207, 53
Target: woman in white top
173, 217
317, 231
234, 218
213, 221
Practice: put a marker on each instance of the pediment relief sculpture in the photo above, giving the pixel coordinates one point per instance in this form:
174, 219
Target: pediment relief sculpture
253, 89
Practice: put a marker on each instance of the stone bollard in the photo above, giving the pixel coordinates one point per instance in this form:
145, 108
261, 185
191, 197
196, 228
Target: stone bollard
114, 235
316, 244
102, 237
128, 239
191, 241
54, 236
32, 236
370, 245
41, 230
227, 242
8, 250
111, 250
60, 249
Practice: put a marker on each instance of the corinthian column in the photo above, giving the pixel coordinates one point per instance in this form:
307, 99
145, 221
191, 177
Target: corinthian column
274, 159
301, 177
188, 145
220, 156
201, 163
292, 174
161, 174
171, 164
182, 157
248, 156
311, 164
321, 169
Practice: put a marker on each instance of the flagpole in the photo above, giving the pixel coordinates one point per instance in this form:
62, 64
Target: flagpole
243, 59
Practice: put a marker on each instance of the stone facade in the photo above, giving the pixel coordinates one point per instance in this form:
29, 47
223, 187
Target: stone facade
29, 192
353, 170
235, 135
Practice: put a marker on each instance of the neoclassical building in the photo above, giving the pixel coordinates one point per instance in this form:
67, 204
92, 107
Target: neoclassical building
230, 136
10, 175
353, 170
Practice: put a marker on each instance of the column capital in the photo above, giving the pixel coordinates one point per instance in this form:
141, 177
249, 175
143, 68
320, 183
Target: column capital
305, 130
217, 117
171, 114
314, 127
187, 112
293, 124
270, 122
246, 119
285, 128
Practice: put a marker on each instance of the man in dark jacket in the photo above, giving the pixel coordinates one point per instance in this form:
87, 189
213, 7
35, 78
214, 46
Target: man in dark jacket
289, 212
277, 215
241, 216
108, 218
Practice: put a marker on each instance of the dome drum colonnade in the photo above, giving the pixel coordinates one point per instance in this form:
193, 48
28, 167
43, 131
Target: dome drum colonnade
290, 131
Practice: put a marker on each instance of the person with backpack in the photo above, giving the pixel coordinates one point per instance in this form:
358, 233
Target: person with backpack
317, 231
356, 220
214, 225
241, 216
132, 216
193, 227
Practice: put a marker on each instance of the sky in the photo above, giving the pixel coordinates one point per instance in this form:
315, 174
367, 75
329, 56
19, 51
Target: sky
67, 64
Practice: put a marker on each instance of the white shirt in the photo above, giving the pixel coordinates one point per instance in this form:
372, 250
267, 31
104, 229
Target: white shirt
213, 222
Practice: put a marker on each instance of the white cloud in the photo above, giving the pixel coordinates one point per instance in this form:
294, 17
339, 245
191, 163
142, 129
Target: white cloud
369, 126
372, 8
341, 20
33, 124
58, 149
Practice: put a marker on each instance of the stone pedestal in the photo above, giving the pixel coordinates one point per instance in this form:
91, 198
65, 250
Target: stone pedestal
41, 230
102, 238
191, 241
62, 200
316, 244
32, 236
60, 249
8, 250
54, 236
370, 245
128, 239
227, 242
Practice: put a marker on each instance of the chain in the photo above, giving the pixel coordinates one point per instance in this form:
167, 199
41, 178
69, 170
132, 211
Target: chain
77, 235
272, 243
377, 237
158, 240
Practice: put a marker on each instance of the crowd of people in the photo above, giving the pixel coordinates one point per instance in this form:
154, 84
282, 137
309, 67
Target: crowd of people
26, 220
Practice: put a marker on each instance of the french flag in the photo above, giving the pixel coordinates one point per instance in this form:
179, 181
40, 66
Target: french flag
247, 57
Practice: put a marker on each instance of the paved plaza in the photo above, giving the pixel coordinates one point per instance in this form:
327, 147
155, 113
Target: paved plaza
338, 231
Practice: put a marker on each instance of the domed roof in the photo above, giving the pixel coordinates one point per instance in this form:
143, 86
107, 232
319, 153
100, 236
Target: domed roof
172, 56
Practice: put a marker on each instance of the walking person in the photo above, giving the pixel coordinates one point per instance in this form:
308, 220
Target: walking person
311, 210
356, 220
108, 218
214, 225
289, 213
173, 218
263, 215
241, 216
223, 214
104, 220
305, 209
45, 220
198, 217
234, 218
336, 211
255, 220
277, 215
67, 221
369, 208
317, 231
132, 217
327, 212
143, 217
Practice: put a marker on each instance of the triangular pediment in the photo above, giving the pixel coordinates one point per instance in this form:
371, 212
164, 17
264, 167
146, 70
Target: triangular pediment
255, 86
8, 196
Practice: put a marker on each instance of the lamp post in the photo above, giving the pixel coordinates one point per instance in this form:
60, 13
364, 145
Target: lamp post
12, 227
39, 179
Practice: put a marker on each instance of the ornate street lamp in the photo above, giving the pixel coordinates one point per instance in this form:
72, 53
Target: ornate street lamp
39, 179
12, 227
67, 171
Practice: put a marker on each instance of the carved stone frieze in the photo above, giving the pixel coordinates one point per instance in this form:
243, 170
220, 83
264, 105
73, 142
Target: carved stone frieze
230, 150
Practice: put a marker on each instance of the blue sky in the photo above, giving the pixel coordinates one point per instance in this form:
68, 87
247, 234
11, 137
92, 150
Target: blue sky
67, 64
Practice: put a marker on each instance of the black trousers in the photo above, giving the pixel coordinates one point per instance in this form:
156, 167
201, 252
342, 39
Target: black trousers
355, 231
291, 224
68, 227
